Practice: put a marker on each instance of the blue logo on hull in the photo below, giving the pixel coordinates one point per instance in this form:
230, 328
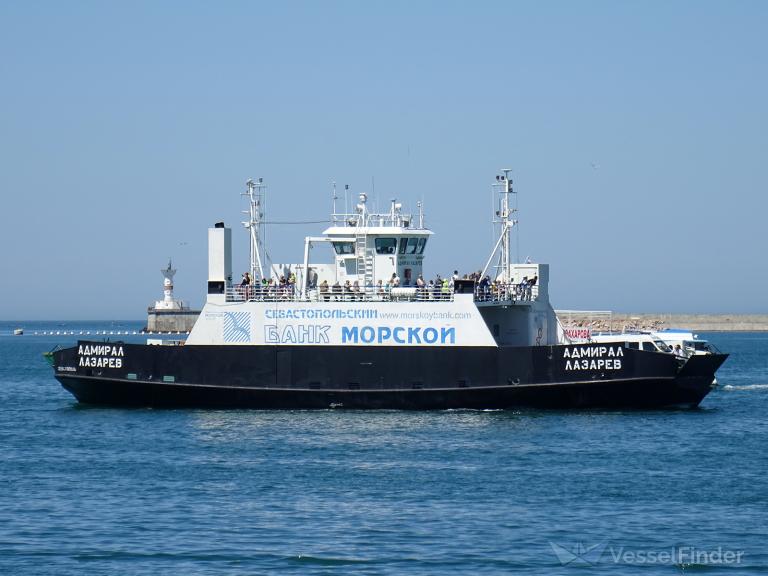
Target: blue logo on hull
237, 327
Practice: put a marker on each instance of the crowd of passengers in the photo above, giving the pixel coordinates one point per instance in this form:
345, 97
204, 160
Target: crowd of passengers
267, 288
438, 288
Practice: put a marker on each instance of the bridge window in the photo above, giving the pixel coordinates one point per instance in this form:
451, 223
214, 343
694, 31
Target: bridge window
413, 244
420, 247
344, 247
386, 245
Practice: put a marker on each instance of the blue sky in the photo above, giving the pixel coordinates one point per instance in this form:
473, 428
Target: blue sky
637, 133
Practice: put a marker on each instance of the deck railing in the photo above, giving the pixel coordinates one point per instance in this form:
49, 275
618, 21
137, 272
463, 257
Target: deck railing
507, 293
289, 293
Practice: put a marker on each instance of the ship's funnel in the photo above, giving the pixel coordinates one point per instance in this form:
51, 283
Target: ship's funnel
219, 262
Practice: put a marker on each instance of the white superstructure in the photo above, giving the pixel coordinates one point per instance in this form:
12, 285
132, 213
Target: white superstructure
373, 292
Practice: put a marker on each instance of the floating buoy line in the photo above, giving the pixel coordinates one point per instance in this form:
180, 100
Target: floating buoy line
101, 333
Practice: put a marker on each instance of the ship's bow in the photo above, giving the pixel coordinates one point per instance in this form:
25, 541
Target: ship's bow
696, 377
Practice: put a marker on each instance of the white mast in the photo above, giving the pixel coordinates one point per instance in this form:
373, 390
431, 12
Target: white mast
506, 224
503, 217
256, 195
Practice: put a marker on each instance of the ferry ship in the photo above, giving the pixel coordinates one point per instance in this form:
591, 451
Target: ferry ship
365, 331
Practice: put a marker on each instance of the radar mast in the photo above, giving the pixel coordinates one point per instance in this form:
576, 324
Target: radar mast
503, 217
256, 193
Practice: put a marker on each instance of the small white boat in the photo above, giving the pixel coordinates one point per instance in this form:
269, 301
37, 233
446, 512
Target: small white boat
669, 340
598, 327
637, 340
690, 343
18, 331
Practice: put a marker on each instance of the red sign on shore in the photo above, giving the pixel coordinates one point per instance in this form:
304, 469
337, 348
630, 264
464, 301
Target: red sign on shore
578, 333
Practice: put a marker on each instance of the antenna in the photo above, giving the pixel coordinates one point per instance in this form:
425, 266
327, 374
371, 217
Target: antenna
420, 206
334, 201
346, 199
517, 228
374, 198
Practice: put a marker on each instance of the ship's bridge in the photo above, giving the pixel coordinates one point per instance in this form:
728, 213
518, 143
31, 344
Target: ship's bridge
370, 250
372, 253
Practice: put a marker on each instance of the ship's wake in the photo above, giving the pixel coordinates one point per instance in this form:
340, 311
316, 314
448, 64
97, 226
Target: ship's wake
746, 387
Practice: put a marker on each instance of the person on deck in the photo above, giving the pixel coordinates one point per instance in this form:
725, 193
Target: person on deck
531, 284
523, 288
420, 288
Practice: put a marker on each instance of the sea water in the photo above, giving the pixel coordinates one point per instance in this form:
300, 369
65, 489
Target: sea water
88, 490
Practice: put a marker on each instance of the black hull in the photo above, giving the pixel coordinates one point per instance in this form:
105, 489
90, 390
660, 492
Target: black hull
414, 378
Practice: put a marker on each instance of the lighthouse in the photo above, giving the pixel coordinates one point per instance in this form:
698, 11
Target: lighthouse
168, 302
170, 314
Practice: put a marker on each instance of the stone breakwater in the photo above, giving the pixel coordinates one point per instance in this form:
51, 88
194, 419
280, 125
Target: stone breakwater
693, 322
